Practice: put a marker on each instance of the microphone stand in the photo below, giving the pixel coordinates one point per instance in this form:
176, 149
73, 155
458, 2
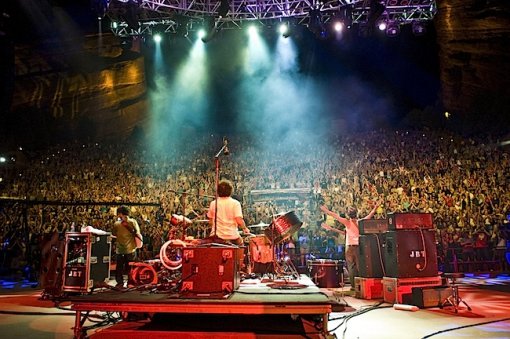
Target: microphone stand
217, 179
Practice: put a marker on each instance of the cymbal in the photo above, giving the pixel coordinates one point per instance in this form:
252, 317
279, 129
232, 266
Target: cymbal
261, 224
201, 220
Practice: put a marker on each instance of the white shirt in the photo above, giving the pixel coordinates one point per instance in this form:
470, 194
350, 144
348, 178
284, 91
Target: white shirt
228, 209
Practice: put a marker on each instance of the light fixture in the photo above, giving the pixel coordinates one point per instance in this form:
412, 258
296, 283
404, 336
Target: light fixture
419, 28
393, 29
284, 29
209, 28
316, 24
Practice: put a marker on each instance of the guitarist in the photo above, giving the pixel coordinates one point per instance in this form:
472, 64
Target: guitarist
129, 239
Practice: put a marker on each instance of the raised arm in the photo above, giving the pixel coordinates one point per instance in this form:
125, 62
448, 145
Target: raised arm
333, 229
325, 209
372, 212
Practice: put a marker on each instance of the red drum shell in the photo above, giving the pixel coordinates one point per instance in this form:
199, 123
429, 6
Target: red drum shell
283, 227
326, 273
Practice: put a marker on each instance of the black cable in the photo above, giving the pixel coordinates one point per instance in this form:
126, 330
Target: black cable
465, 326
346, 318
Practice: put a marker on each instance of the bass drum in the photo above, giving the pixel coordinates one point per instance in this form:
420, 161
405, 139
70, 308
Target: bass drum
260, 249
283, 227
326, 273
143, 273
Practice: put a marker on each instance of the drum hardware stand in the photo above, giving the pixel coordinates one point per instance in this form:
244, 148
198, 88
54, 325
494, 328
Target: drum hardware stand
185, 224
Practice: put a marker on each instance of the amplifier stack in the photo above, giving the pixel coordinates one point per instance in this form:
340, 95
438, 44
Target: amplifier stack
397, 255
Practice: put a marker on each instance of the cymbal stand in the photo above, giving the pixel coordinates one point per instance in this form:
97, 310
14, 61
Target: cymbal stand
183, 223
285, 266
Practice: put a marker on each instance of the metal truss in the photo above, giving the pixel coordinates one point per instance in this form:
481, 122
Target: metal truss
139, 17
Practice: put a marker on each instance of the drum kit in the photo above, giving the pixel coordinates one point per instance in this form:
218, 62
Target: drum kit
266, 246
264, 251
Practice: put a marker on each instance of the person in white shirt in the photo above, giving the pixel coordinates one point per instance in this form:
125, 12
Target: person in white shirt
229, 215
351, 237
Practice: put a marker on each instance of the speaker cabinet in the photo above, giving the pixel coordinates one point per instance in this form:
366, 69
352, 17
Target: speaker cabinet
210, 271
424, 297
86, 261
410, 254
371, 255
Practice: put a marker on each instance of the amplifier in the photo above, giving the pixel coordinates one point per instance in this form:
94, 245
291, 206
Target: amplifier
400, 221
368, 226
424, 297
399, 290
210, 271
410, 254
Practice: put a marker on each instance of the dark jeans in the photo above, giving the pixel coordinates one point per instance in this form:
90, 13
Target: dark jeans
123, 261
352, 260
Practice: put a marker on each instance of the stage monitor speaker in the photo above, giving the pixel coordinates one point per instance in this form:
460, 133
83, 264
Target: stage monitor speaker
369, 226
433, 296
410, 221
371, 255
86, 261
410, 254
210, 271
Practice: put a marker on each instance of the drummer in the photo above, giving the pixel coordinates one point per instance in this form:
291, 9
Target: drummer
229, 217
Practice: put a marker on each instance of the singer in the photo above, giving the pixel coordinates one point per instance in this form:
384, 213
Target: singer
230, 215
352, 237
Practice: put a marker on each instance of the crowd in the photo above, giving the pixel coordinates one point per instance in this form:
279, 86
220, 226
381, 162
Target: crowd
463, 182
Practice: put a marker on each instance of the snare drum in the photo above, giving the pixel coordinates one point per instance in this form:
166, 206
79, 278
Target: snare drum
326, 272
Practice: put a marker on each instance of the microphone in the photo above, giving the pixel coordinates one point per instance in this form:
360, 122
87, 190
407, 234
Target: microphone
225, 146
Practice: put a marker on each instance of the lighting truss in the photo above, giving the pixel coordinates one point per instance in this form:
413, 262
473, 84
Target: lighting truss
171, 13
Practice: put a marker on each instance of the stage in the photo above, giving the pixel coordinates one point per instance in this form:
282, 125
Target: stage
254, 297
25, 315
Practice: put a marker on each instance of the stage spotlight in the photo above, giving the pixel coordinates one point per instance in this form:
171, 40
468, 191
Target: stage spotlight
201, 33
252, 30
157, 38
209, 28
375, 12
393, 29
338, 26
283, 29
419, 28
316, 24
382, 25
